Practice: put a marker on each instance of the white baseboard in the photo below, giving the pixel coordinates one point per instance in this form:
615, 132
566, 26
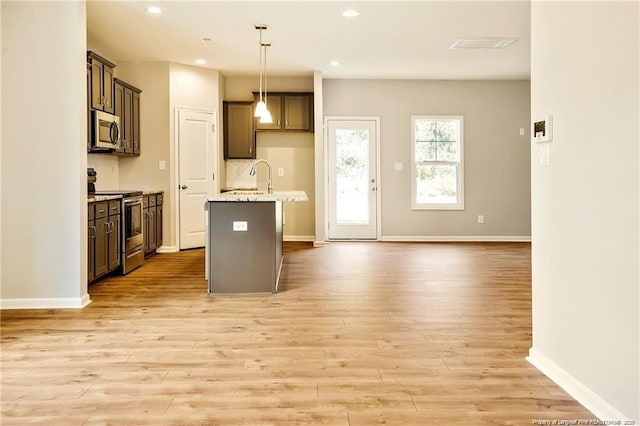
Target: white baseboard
458, 238
46, 303
320, 243
302, 238
581, 393
167, 249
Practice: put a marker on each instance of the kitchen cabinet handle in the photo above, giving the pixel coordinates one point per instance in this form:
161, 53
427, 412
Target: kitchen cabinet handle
114, 208
92, 232
106, 225
184, 187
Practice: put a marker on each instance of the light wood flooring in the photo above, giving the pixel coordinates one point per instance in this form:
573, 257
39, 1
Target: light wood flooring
361, 334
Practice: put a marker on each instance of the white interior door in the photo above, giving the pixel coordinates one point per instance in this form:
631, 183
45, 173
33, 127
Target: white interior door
353, 179
196, 167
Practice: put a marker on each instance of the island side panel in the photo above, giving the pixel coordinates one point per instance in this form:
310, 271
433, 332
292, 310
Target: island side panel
242, 261
278, 241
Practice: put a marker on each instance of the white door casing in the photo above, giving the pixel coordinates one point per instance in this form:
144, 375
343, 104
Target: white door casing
197, 159
353, 178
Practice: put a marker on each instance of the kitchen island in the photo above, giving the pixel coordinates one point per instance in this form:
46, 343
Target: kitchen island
244, 240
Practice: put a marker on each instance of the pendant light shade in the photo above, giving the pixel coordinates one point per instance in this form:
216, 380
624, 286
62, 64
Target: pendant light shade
266, 117
261, 109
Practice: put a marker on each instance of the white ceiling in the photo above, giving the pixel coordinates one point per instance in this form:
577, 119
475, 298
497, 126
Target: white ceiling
393, 39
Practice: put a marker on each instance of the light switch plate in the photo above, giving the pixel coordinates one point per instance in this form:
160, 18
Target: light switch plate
543, 154
162, 165
397, 167
280, 171
240, 225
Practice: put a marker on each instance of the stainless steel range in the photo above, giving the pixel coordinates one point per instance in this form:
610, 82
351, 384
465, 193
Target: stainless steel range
132, 230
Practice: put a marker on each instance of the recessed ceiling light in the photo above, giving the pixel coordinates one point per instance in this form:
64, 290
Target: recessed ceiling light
336, 63
153, 9
350, 13
200, 61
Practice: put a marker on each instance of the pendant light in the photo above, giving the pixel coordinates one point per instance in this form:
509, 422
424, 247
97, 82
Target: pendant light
265, 118
261, 106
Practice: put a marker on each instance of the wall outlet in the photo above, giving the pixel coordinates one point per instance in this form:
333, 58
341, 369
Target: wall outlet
280, 171
480, 218
521, 131
240, 225
397, 167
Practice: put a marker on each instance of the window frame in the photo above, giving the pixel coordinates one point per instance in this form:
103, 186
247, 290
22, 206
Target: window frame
414, 165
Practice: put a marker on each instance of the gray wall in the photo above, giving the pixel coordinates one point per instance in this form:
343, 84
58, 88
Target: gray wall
585, 253
497, 180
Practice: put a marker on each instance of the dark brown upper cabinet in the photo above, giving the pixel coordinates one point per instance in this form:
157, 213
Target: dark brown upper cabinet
127, 107
101, 84
239, 135
291, 111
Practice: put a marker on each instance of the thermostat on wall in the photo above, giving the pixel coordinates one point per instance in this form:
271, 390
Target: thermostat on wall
543, 129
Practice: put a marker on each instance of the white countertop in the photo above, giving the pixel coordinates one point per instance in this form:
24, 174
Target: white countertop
97, 198
289, 196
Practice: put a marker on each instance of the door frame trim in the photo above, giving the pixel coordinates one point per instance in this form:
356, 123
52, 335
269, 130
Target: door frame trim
375, 119
175, 162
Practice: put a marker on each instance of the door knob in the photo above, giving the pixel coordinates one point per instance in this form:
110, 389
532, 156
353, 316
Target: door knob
184, 186
373, 180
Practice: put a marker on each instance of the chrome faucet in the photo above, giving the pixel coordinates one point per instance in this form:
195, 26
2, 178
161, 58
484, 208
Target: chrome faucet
252, 172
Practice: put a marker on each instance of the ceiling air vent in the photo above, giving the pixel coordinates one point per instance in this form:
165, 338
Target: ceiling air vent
483, 43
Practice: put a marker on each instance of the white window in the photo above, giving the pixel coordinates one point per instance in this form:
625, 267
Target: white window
438, 178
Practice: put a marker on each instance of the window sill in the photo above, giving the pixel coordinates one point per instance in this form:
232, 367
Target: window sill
436, 207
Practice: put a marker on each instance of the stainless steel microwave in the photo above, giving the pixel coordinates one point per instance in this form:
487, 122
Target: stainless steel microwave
106, 131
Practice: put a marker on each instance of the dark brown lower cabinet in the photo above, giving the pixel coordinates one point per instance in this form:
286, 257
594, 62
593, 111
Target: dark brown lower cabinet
91, 245
152, 213
159, 222
103, 251
114, 241
102, 247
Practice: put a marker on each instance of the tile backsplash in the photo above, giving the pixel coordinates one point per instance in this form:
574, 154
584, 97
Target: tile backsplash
238, 174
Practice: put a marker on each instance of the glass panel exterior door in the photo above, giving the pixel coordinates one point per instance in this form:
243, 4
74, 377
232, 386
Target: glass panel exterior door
352, 179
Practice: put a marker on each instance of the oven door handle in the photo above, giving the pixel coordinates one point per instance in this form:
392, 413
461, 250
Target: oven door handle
133, 201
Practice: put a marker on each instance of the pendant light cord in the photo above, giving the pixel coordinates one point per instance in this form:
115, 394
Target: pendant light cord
265, 72
260, 70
